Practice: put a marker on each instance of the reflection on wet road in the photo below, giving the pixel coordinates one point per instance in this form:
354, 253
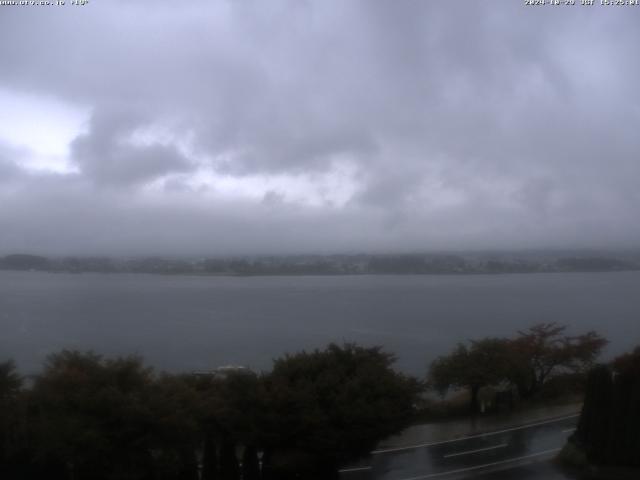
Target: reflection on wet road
468, 456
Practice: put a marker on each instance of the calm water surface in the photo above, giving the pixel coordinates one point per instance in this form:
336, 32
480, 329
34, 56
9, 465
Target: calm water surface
187, 323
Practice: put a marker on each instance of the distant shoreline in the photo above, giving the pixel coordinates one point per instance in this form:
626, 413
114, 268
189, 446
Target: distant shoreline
400, 265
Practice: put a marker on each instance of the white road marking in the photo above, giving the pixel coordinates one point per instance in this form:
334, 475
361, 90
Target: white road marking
468, 452
568, 430
355, 469
433, 444
486, 465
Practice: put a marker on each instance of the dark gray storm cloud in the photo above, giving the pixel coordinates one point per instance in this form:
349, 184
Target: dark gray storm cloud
295, 126
105, 156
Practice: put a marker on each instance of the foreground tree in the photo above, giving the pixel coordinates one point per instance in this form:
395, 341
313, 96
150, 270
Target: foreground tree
331, 406
94, 418
607, 432
175, 429
233, 405
481, 363
10, 380
526, 362
543, 351
11, 418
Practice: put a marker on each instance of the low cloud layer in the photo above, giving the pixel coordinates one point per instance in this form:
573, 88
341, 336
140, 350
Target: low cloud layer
287, 126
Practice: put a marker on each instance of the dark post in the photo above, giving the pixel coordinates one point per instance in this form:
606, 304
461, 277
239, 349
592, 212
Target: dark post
229, 469
210, 459
250, 466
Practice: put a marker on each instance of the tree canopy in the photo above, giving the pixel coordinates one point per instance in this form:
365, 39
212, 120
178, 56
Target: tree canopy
544, 350
90, 417
10, 380
607, 431
483, 362
333, 405
526, 362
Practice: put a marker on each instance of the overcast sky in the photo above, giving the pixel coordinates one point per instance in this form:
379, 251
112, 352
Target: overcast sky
226, 127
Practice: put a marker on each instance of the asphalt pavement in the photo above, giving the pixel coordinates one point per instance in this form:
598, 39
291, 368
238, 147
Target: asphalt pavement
521, 451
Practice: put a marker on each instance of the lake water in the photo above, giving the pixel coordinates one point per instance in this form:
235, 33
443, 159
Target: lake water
183, 323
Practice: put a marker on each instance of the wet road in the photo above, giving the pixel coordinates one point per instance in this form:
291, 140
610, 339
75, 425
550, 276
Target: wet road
519, 448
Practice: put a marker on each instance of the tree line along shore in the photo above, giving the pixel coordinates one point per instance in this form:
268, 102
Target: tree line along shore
410, 264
